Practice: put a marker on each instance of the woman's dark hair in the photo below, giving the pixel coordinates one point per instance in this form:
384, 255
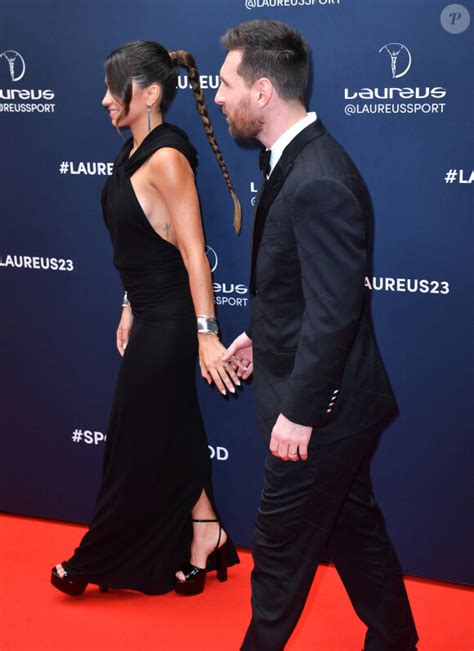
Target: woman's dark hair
146, 63
274, 50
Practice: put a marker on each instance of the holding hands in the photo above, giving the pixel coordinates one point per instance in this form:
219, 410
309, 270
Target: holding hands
240, 356
225, 367
213, 366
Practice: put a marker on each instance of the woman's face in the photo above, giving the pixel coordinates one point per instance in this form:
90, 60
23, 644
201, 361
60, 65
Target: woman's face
137, 109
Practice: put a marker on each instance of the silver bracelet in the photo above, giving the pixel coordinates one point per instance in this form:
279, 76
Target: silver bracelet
207, 324
126, 302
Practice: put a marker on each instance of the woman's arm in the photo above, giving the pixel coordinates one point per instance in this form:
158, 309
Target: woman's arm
172, 176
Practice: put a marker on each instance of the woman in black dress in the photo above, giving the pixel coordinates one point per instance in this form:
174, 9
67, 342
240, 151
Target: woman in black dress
155, 524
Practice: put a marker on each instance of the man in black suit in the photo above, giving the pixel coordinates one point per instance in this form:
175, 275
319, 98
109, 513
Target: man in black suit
322, 393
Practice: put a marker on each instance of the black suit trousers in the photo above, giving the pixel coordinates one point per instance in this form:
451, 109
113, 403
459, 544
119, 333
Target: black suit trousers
312, 509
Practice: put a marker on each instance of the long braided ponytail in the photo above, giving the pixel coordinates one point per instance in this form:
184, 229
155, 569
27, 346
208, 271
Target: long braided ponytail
186, 60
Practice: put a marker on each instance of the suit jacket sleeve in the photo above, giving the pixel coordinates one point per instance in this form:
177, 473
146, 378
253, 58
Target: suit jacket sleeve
328, 225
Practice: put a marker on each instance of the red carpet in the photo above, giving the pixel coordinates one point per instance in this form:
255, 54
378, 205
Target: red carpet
35, 617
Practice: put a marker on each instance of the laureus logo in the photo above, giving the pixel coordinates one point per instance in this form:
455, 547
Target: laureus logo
16, 64
400, 59
397, 98
17, 99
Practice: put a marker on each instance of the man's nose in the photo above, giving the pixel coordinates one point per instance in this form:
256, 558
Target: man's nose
218, 97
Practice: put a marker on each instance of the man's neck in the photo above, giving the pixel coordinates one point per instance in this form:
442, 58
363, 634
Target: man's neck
278, 120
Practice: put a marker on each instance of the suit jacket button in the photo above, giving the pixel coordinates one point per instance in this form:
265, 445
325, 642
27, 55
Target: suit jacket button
254, 292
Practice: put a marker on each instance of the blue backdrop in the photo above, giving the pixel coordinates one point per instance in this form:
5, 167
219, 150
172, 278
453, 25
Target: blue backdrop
391, 81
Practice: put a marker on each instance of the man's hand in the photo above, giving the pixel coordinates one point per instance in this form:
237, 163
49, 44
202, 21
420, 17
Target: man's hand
240, 355
289, 441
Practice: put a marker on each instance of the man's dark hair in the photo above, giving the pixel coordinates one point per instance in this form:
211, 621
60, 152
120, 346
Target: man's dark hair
274, 50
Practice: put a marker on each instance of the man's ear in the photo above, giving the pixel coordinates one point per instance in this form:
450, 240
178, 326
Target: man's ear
263, 91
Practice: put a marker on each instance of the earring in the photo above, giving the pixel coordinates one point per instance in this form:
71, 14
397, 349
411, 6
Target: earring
148, 108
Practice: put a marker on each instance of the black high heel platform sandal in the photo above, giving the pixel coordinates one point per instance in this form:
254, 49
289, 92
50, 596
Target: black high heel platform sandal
69, 585
195, 577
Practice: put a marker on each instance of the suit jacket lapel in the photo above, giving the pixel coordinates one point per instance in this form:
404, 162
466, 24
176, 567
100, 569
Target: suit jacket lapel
273, 186
267, 194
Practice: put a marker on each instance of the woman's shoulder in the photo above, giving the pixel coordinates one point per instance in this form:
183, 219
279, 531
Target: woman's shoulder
165, 136
168, 170
173, 137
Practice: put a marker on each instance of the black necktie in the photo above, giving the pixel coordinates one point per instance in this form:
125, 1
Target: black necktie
264, 160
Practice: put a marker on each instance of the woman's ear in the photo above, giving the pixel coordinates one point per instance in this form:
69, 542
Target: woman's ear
153, 94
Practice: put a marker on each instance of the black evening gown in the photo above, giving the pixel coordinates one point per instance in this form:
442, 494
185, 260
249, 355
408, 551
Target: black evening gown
156, 458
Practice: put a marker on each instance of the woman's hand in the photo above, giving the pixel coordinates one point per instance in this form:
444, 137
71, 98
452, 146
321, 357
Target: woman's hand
123, 330
213, 369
